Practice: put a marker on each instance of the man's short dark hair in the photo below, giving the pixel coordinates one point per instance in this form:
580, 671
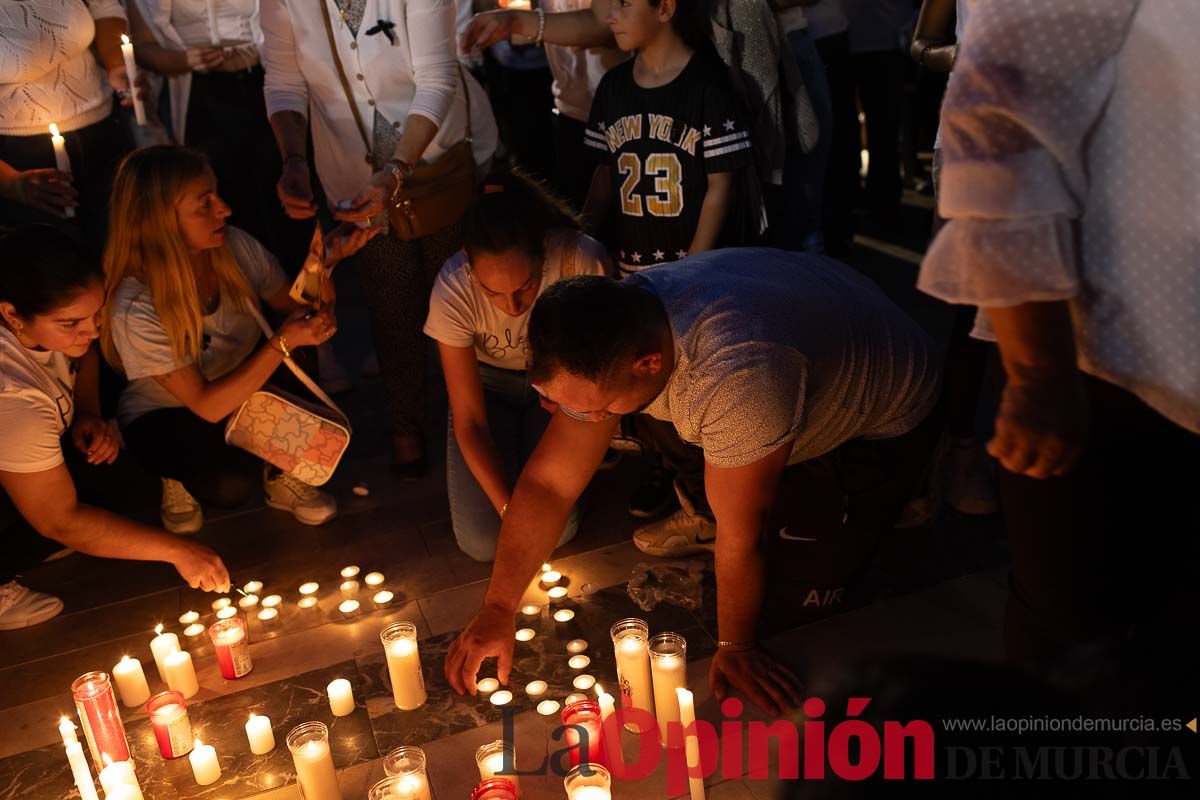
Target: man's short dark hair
589, 326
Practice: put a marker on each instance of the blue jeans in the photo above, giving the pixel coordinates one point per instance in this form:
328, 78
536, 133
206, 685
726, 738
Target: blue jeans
804, 173
516, 422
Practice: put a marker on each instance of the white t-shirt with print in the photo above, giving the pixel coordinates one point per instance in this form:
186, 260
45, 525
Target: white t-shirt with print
230, 333
460, 314
37, 405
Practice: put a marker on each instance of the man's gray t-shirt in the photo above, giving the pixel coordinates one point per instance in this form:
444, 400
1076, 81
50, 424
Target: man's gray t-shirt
773, 346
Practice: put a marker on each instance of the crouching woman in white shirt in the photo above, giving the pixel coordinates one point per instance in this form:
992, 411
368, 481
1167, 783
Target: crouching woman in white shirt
518, 239
60, 462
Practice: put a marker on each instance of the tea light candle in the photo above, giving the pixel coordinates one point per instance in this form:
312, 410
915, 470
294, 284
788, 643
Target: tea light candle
557, 593
535, 688
583, 682
131, 682
192, 631
348, 607
249, 601
139, 110
548, 708
578, 662
205, 766
253, 587
577, 646
574, 698
309, 588
349, 588
383, 598
272, 601
221, 602
350, 572
551, 577
188, 617
488, 685
161, 646
564, 615
501, 698
260, 735
531, 610
525, 634
341, 697
227, 612
374, 579
307, 602
268, 614
545, 567
181, 675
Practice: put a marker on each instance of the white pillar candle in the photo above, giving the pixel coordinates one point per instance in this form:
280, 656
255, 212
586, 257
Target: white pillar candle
404, 665
260, 735
139, 110
205, 766
341, 697
181, 675
315, 772
214, 33
116, 774
80, 770
691, 741
62, 162
131, 682
161, 646
631, 647
668, 668
612, 744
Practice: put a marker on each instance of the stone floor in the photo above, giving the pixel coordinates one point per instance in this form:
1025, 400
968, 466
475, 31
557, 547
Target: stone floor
933, 590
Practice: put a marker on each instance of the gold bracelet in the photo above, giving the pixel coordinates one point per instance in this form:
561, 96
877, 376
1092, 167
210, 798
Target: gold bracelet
746, 645
503, 510
283, 348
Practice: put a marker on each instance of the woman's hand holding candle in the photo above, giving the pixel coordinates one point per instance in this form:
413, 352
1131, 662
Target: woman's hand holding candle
204, 59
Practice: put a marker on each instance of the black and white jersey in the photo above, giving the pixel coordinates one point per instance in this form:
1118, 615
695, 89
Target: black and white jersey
660, 145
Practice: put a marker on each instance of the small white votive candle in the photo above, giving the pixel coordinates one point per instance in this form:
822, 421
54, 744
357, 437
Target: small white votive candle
535, 688
531, 610
253, 587
545, 567
221, 602
488, 685
551, 577
525, 634
309, 588
249, 601
557, 593
548, 707
192, 631
307, 602
576, 646
349, 588
268, 614
226, 612
578, 662
564, 615
574, 698
583, 682
374, 579
383, 598
188, 617
205, 766
501, 698
271, 601
348, 607
350, 572
258, 731
341, 697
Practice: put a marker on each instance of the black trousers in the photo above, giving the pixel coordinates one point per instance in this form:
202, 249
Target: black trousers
122, 487
574, 167
879, 79
95, 152
841, 176
1099, 553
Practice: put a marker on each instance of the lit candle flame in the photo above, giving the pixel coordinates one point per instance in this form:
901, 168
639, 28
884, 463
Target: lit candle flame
599, 690
124, 39
253, 715
124, 659
54, 130
158, 629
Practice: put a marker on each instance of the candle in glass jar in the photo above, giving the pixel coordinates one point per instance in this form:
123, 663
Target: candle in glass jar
583, 714
205, 766
131, 69
406, 776
631, 638
181, 673
668, 668
495, 758
260, 735
404, 665
131, 682
341, 697
161, 646
99, 716
169, 719
309, 744
232, 647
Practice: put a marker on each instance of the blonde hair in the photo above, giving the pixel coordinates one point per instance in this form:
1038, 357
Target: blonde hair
145, 243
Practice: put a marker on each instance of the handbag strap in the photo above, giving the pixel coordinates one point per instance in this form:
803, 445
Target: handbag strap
341, 71
300, 374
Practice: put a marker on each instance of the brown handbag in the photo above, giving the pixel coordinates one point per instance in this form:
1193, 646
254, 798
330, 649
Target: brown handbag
434, 195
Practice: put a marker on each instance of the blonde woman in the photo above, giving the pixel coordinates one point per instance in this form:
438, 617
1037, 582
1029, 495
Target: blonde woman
179, 282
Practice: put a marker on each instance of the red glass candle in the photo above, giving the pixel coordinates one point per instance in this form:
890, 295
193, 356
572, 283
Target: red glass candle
586, 714
99, 717
232, 644
172, 728
495, 789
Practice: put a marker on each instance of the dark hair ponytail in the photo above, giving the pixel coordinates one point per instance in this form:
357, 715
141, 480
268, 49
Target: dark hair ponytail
515, 212
692, 21
42, 268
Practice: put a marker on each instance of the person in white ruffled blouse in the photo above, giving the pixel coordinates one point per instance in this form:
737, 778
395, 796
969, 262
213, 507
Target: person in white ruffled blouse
60, 61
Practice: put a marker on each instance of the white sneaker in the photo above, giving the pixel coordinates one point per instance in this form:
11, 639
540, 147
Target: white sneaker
180, 512
308, 504
684, 533
21, 607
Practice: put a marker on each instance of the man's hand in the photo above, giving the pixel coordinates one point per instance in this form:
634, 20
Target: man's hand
202, 568
295, 190
1041, 426
485, 29
768, 684
345, 240
203, 59
95, 438
491, 633
44, 189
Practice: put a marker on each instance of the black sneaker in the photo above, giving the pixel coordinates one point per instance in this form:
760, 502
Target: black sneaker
655, 497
